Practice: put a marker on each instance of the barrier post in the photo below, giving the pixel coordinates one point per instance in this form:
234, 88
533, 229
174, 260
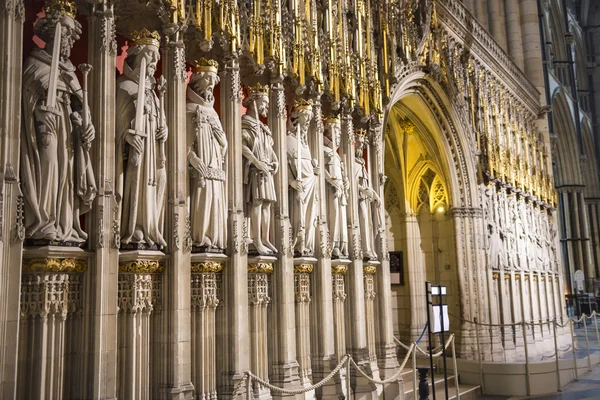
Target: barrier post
558, 386
596, 326
348, 383
249, 387
527, 373
573, 347
414, 365
587, 343
454, 366
478, 351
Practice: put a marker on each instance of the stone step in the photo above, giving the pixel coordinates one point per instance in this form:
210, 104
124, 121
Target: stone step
439, 382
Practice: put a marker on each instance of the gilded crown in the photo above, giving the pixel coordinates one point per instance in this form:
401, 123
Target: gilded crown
204, 65
65, 7
258, 90
145, 37
360, 134
302, 104
331, 120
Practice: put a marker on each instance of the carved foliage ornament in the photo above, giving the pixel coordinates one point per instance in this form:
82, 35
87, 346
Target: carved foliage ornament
54, 265
339, 269
265, 268
142, 267
303, 269
206, 267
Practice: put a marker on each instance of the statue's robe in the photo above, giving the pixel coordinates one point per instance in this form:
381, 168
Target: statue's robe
208, 189
365, 213
303, 205
57, 179
336, 201
256, 136
141, 180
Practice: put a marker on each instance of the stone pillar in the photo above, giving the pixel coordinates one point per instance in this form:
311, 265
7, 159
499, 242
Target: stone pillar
506, 315
140, 276
568, 233
532, 53
339, 271
356, 334
481, 13
258, 298
102, 278
175, 362
386, 348
322, 335
204, 303
284, 368
302, 281
416, 276
12, 231
235, 332
51, 296
594, 223
497, 22
586, 243
513, 31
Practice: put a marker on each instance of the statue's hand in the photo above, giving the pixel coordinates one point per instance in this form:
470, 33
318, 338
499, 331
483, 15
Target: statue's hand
297, 185
316, 170
161, 134
87, 133
263, 167
197, 164
47, 119
135, 141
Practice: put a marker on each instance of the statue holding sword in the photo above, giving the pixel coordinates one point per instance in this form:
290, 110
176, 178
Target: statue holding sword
141, 133
56, 172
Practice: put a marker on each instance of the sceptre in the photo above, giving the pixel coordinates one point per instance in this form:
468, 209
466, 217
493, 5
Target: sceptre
85, 69
162, 87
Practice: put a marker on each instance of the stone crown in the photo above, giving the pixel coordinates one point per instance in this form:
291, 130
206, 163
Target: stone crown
302, 104
204, 65
331, 120
258, 89
145, 37
65, 7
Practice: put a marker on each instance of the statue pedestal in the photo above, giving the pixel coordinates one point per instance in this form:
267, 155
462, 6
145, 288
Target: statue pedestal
50, 340
139, 321
370, 268
206, 316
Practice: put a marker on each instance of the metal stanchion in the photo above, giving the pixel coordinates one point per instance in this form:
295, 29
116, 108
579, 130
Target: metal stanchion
587, 343
414, 359
478, 351
249, 388
558, 386
574, 351
527, 373
348, 383
454, 366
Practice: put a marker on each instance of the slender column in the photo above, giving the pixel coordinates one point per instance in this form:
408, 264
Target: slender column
595, 235
513, 30
355, 283
586, 242
302, 281
386, 348
569, 234
416, 276
322, 354
481, 13
532, 53
236, 272
12, 231
101, 312
284, 372
176, 360
498, 22
258, 298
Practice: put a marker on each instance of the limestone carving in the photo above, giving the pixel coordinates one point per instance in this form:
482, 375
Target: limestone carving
302, 176
260, 164
366, 197
337, 193
56, 172
141, 132
207, 148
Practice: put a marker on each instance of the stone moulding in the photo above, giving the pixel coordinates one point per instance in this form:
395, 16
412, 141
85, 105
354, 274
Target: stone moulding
206, 267
261, 268
142, 267
303, 269
495, 276
370, 270
339, 269
54, 265
506, 276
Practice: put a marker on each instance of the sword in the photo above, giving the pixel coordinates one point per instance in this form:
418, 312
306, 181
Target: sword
85, 69
141, 102
53, 82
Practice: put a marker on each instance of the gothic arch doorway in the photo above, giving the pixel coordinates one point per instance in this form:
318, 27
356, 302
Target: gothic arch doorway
428, 189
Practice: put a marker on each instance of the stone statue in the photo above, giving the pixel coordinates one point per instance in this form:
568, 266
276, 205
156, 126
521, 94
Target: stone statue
337, 193
56, 173
260, 164
141, 132
302, 176
496, 258
366, 196
207, 147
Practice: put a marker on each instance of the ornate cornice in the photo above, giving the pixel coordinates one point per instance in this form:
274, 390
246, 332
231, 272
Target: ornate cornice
303, 269
340, 269
370, 270
206, 267
64, 265
261, 268
142, 267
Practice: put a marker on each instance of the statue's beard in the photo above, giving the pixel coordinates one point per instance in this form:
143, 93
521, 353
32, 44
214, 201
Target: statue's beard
65, 48
207, 96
